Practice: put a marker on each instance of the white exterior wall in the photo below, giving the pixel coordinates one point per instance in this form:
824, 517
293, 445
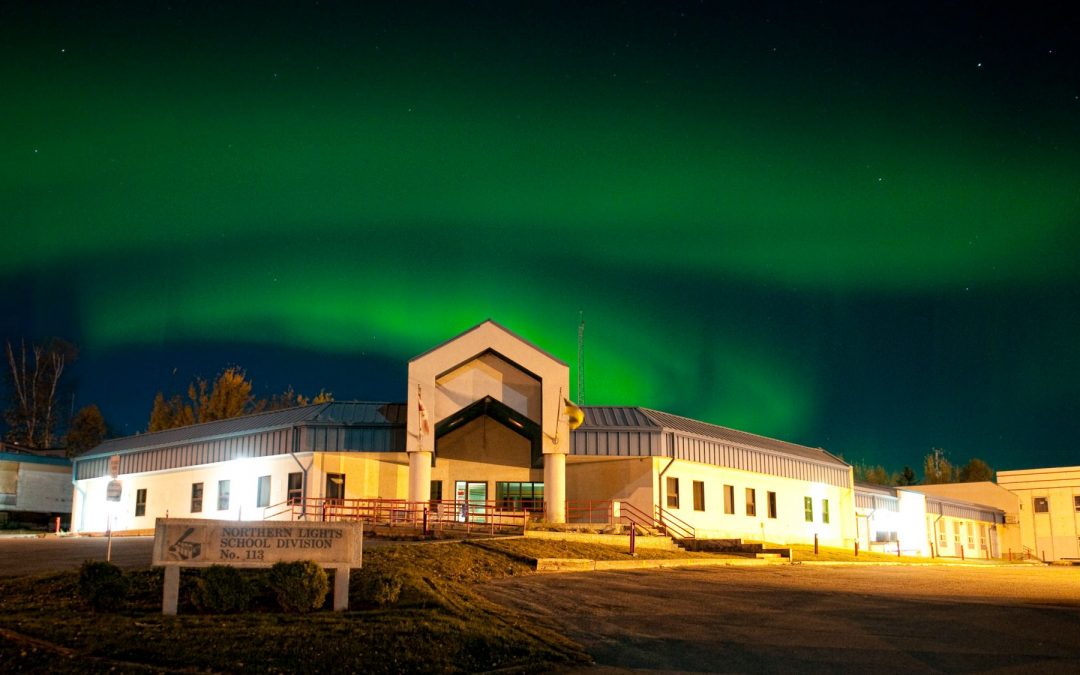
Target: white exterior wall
950, 534
169, 493
1055, 534
908, 522
40, 488
789, 526
911, 524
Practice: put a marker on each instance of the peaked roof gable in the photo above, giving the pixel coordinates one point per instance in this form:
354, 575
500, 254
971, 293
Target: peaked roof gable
497, 325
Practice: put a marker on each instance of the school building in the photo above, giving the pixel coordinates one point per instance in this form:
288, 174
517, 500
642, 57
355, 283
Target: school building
488, 436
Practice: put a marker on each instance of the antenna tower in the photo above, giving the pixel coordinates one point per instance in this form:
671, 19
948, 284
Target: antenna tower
581, 358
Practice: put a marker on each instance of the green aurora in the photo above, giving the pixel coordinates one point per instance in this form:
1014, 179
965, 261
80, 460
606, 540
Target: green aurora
821, 240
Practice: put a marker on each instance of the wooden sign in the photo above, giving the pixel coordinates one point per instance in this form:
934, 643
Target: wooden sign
194, 542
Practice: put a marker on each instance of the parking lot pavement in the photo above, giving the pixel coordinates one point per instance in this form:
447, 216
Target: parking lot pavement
31, 555
813, 619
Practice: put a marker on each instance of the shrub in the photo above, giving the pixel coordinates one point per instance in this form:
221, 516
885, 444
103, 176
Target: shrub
102, 585
300, 586
379, 588
221, 590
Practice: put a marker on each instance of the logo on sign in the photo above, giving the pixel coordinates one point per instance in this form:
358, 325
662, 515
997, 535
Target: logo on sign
182, 549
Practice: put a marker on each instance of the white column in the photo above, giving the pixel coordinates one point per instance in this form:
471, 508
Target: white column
419, 476
555, 487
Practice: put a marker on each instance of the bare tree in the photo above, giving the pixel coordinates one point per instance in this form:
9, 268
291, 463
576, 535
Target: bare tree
32, 412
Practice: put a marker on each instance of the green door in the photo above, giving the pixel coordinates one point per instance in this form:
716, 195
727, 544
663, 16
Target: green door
471, 499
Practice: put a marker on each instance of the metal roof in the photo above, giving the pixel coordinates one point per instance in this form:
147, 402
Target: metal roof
674, 422
357, 412
334, 412
624, 417
633, 417
30, 458
863, 486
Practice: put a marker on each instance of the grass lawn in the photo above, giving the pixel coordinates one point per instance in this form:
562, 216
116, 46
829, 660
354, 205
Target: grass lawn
554, 548
438, 624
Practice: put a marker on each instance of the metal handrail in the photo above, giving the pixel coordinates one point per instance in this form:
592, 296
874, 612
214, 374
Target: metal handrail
588, 511
435, 515
638, 517
674, 524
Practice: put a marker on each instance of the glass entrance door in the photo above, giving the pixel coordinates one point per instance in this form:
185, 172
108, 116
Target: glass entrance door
470, 497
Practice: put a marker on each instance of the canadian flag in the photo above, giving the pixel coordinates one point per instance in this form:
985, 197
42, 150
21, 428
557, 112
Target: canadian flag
425, 423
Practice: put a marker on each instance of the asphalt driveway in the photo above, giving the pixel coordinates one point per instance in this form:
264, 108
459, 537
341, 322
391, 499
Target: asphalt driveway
802, 618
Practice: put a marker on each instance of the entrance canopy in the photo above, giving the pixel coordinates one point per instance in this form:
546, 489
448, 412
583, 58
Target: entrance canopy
501, 413
488, 365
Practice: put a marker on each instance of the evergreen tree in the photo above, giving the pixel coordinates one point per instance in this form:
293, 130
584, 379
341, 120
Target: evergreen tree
169, 414
907, 477
975, 471
230, 396
87, 430
877, 475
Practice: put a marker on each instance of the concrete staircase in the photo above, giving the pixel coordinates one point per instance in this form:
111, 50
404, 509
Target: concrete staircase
733, 547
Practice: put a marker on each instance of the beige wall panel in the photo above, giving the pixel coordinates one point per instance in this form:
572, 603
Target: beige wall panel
9, 477
488, 375
1054, 534
483, 451
376, 475
627, 479
484, 440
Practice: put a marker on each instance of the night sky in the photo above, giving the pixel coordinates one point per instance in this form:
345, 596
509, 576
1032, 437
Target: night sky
853, 227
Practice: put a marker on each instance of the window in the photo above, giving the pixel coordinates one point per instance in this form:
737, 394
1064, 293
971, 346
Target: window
196, 497
699, 495
673, 493
956, 533
751, 501
140, 502
982, 536
518, 496
772, 504
435, 494
296, 488
825, 511
223, 495
1076, 503
335, 487
971, 535
943, 537
262, 492
1041, 505
808, 508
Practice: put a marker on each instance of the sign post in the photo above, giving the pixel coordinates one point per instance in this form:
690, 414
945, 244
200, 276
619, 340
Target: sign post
191, 542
